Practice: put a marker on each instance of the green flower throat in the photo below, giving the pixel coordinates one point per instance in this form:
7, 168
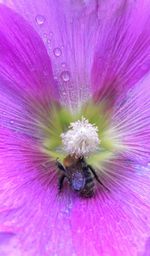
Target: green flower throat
97, 118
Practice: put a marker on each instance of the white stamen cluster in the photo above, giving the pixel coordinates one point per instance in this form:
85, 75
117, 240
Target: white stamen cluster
81, 139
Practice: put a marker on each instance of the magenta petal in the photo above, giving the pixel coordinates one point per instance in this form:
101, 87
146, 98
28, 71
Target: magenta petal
9, 244
43, 223
29, 203
122, 54
26, 80
115, 223
24, 62
68, 29
131, 120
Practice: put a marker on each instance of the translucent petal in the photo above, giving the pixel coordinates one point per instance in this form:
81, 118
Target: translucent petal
113, 223
122, 52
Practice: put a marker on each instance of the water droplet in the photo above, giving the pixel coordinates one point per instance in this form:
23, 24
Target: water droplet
63, 64
49, 44
63, 91
51, 34
57, 52
65, 75
40, 19
48, 41
50, 48
78, 230
11, 121
45, 35
55, 77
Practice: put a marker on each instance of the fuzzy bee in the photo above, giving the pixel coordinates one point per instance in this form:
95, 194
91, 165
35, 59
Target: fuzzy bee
79, 175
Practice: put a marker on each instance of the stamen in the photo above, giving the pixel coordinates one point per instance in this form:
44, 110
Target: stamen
81, 139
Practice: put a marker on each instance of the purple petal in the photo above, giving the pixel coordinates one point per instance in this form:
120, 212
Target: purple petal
30, 205
114, 224
111, 223
123, 50
5, 236
8, 244
68, 29
147, 248
24, 62
46, 224
131, 121
26, 80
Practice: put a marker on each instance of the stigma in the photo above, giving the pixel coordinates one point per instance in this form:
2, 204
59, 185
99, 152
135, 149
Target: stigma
81, 139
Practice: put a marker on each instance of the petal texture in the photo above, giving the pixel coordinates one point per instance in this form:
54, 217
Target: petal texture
27, 86
97, 35
66, 27
29, 203
131, 120
24, 62
9, 244
31, 211
69, 30
122, 54
115, 223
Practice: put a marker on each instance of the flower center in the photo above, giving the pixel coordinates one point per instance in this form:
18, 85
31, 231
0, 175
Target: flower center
81, 139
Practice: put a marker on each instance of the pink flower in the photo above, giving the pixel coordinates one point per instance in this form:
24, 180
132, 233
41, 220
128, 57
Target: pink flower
95, 62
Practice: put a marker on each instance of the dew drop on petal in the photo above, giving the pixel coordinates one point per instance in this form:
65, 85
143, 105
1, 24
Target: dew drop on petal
11, 121
63, 64
40, 19
55, 77
51, 34
48, 41
63, 93
45, 35
57, 52
65, 76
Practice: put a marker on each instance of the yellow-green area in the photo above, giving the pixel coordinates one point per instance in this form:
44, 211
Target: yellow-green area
59, 120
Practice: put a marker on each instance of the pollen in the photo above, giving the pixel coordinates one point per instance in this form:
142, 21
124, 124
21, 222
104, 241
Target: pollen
81, 139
